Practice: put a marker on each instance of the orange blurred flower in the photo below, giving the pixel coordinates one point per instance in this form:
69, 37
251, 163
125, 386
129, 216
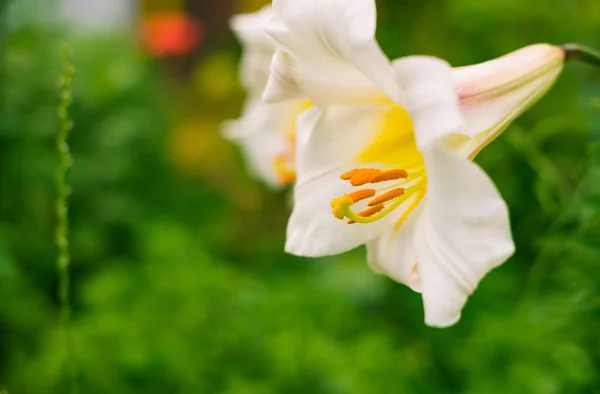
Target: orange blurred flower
170, 33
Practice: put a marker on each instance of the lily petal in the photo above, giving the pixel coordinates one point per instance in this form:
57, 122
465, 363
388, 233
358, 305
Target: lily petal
494, 93
429, 98
282, 84
258, 47
462, 233
328, 50
262, 132
329, 142
393, 253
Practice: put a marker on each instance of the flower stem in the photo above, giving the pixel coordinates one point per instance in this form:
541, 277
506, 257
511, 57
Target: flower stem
62, 202
581, 53
62, 225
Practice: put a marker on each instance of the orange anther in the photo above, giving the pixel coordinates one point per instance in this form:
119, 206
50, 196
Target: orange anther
364, 176
371, 211
361, 194
359, 176
347, 175
389, 175
387, 196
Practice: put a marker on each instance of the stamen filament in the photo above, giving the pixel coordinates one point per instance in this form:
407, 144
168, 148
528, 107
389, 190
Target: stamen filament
368, 212
410, 208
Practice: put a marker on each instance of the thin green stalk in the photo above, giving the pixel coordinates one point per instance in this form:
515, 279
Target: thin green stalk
62, 203
62, 224
581, 53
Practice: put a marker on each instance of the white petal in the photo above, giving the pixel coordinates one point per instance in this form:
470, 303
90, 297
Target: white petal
257, 46
263, 133
494, 93
429, 97
329, 142
329, 48
393, 253
282, 84
462, 233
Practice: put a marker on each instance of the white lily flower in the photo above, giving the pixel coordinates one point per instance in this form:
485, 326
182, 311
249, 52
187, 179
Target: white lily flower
400, 140
266, 132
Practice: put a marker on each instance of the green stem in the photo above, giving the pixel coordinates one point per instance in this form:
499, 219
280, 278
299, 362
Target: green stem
62, 225
581, 53
62, 206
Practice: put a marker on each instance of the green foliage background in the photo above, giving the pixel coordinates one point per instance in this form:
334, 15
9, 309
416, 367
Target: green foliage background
180, 284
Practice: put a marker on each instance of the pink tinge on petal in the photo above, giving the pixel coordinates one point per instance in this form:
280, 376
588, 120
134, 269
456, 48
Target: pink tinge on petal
494, 93
415, 280
511, 70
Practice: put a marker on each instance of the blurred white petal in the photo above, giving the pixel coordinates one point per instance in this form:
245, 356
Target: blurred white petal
257, 48
263, 132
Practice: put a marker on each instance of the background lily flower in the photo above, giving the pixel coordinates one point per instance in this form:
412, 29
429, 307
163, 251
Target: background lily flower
266, 132
430, 217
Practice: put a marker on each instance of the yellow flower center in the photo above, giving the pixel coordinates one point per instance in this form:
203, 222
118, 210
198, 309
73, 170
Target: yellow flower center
285, 162
402, 177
